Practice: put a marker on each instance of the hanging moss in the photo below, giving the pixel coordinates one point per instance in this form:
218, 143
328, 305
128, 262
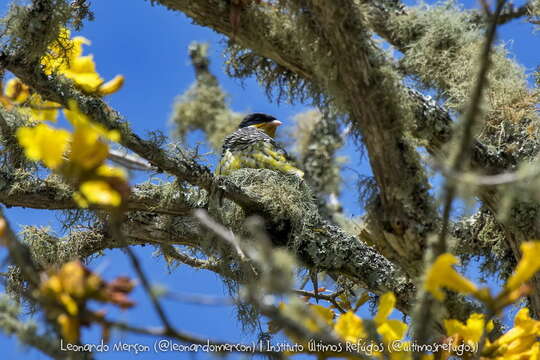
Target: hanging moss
204, 106
481, 237
32, 28
446, 56
288, 198
317, 141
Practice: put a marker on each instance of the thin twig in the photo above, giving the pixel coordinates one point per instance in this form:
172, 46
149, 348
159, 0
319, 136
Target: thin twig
178, 335
199, 299
146, 284
490, 180
331, 298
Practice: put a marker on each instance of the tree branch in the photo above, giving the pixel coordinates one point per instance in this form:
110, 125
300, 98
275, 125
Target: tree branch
21, 189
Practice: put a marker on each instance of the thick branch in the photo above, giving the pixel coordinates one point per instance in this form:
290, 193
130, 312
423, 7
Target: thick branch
24, 190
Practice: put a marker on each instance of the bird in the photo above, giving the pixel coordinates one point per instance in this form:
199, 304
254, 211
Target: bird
252, 145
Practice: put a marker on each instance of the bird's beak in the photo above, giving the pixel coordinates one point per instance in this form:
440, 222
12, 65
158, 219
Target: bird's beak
270, 127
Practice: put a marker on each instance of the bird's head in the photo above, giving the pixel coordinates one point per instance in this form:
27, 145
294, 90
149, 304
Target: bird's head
264, 122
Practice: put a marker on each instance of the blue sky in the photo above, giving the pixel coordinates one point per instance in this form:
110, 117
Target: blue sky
148, 45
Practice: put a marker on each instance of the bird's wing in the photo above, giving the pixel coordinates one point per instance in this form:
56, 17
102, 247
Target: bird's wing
252, 148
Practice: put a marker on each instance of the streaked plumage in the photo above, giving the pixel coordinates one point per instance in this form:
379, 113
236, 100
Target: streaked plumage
251, 146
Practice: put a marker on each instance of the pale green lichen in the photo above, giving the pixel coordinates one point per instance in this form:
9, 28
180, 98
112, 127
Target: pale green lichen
446, 56
32, 28
288, 198
205, 105
482, 238
317, 141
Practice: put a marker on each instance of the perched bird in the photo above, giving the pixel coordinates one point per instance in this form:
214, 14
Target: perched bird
252, 145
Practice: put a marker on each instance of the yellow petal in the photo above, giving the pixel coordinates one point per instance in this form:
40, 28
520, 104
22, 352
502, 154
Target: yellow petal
110, 171
83, 64
386, 306
87, 150
392, 330
471, 332
52, 286
524, 333
62, 52
69, 303
74, 114
349, 327
72, 275
44, 114
69, 327
100, 193
442, 274
88, 82
65, 57
77, 49
17, 91
527, 266
111, 86
42, 110
79, 119
44, 143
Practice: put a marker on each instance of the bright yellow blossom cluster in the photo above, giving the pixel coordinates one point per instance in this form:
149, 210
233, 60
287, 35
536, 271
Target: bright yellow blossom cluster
387, 336
17, 93
79, 156
66, 292
522, 341
443, 275
63, 57
352, 329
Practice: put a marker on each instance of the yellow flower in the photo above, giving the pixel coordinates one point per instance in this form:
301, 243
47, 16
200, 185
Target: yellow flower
110, 171
349, 327
98, 192
79, 119
442, 274
471, 332
61, 51
17, 91
65, 57
111, 86
521, 337
527, 266
88, 149
69, 327
390, 330
44, 143
386, 306
34, 106
73, 279
69, 303
42, 110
